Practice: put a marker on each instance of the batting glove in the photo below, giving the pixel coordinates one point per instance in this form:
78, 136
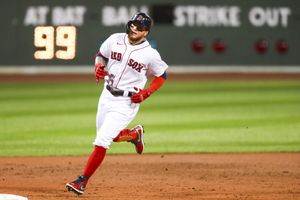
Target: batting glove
141, 95
100, 72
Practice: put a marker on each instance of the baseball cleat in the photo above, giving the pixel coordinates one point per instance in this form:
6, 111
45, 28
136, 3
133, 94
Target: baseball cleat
78, 185
139, 141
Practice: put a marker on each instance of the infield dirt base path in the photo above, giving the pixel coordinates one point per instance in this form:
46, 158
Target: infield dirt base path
261, 176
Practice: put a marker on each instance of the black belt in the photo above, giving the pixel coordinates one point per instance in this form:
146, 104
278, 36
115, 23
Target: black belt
117, 92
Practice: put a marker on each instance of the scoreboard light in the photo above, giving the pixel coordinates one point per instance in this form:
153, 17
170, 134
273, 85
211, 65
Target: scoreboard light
282, 46
261, 46
198, 46
219, 46
46, 38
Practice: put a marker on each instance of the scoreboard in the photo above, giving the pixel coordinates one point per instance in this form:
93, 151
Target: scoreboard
46, 37
206, 32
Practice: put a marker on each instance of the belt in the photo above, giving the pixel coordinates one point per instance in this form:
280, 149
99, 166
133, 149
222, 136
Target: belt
117, 92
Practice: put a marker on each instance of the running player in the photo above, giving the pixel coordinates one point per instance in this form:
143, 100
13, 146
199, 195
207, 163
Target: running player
124, 61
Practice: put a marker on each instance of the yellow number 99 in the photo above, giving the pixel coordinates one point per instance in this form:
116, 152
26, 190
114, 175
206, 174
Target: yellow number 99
66, 37
65, 42
43, 40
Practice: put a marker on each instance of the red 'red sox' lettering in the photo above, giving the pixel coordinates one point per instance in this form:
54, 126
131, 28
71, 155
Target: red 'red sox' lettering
116, 56
135, 65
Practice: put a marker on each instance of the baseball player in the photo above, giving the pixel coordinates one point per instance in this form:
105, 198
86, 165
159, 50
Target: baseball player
124, 61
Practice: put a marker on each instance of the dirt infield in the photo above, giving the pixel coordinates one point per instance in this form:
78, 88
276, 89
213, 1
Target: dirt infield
264, 176
261, 176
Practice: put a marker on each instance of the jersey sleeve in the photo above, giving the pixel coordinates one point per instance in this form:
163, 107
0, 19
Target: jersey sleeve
105, 47
157, 66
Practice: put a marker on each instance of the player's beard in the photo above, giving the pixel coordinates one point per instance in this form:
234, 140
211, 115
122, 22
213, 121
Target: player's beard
134, 38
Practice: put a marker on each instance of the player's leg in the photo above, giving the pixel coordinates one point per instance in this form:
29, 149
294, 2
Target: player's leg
134, 135
111, 126
117, 117
115, 120
92, 164
95, 158
126, 135
99, 151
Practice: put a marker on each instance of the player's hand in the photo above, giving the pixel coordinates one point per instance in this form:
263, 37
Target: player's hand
140, 96
100, 72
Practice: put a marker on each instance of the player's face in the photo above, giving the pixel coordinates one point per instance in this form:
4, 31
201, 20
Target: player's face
136, 36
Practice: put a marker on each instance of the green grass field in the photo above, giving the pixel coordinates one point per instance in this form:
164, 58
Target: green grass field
59, 119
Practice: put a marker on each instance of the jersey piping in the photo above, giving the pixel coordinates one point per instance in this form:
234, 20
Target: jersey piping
128, 59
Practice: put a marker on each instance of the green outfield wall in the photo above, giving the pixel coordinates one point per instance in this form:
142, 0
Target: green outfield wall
194, 32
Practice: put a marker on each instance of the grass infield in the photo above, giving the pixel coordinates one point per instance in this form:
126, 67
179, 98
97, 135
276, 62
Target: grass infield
182, 117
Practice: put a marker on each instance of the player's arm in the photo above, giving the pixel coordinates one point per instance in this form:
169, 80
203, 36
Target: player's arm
156, 83
100, 63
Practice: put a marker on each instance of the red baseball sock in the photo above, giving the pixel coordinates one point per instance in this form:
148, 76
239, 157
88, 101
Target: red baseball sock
94, 161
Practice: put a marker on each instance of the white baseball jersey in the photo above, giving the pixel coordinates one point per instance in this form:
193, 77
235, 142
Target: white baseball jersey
129, 65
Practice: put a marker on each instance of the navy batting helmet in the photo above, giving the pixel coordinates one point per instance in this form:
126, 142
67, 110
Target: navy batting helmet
141, 20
